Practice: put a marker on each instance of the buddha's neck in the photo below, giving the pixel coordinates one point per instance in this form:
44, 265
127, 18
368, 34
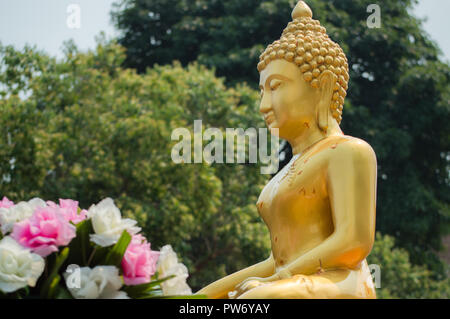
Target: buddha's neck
312, 136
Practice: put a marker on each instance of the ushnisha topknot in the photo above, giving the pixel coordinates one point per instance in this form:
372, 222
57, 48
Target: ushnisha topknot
306, 43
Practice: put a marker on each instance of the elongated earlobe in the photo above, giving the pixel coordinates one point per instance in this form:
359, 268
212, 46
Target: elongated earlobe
326, 92
322, 116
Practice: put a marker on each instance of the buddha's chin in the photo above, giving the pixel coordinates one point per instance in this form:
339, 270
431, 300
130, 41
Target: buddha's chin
273, 128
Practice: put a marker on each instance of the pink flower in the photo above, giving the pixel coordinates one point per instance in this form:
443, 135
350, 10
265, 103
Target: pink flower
6, 203
44, 231
69, 208
139, 262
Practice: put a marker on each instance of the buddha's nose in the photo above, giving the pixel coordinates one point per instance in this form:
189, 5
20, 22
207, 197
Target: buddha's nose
265, 106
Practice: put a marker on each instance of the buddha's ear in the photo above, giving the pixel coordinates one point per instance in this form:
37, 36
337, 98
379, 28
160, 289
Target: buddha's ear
326, 87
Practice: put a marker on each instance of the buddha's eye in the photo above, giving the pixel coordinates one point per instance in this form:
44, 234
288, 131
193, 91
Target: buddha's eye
275, 84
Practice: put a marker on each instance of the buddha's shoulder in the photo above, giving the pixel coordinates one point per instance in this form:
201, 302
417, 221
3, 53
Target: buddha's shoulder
347, 148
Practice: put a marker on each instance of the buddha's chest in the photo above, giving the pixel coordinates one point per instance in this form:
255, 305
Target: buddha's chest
295, 193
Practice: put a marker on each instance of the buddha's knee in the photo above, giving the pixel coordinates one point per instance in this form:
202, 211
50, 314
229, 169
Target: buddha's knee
341, 284
297, 287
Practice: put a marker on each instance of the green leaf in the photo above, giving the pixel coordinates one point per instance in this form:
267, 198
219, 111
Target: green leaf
62, 293
98, 256
115, 255
49, 282
152, 295
54, 286
140, 291
80, 246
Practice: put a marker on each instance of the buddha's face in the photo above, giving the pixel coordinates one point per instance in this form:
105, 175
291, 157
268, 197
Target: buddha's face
288, 102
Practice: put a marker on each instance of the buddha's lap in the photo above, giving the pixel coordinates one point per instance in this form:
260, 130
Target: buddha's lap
334, 284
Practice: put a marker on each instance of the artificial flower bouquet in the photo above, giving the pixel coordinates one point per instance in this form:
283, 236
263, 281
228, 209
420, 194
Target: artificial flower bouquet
50, 250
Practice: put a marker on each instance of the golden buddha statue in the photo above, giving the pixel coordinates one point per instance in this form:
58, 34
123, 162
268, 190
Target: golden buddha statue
320, 208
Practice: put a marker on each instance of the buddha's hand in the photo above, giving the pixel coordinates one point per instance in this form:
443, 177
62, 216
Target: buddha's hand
247, 285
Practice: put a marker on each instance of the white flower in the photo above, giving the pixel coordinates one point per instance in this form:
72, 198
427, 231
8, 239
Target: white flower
18, 266
108, 223
101, 282
168, 265
17, 213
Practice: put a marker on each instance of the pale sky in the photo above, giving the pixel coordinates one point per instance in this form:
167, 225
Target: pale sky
44, 23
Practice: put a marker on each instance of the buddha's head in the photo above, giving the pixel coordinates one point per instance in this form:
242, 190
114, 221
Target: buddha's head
303, 77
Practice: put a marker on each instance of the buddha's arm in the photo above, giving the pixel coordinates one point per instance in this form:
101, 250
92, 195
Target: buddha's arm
351, 182
220, 288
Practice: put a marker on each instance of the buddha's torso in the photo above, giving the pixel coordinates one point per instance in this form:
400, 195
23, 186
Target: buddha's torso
295, 204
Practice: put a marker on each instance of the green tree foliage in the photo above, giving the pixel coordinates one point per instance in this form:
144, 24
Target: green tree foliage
399, 278
398, 98
226, 35
84, 128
